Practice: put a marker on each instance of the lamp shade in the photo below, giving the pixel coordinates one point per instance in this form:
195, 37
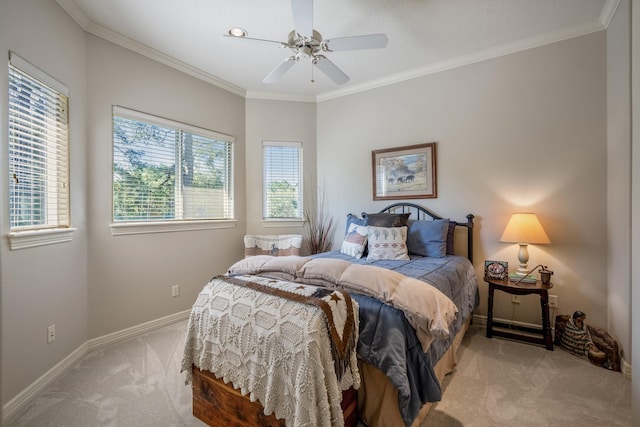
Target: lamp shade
524, 228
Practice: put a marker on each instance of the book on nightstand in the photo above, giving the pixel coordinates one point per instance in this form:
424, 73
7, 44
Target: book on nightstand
513, 277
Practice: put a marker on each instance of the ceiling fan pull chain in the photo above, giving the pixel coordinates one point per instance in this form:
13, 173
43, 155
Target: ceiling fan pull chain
312, 79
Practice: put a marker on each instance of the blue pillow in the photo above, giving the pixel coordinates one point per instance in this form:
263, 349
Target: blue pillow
428, 238
352, 219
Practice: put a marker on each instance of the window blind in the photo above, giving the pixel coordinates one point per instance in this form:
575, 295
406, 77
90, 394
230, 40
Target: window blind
166, 170
38, 149
282, 181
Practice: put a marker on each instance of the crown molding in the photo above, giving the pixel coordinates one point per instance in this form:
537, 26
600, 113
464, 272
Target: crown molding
463, 60
156, 55
75, 12
98, 30
608, 11
274, 96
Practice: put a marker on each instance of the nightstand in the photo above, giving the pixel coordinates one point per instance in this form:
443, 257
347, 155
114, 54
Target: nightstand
522, 333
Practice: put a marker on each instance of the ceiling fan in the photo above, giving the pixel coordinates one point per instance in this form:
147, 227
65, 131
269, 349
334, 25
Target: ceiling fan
305, 42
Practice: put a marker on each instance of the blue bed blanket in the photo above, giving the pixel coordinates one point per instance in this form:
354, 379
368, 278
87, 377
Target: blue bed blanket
388, 342
452, 274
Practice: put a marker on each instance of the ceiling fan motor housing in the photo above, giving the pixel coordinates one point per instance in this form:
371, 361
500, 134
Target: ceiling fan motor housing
304, 46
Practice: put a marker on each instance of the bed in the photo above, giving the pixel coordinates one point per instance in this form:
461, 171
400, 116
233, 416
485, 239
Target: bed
400, 361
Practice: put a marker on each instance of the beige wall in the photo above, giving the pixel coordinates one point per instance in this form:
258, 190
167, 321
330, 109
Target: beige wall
130, 277
635, 209
91, 289
48, 284
277, 121
619, 178
524, 132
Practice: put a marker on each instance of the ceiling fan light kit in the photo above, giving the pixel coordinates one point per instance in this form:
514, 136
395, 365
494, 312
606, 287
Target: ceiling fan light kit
305, 42
238, 32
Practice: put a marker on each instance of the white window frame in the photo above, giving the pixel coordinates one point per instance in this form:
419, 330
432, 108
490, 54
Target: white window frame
57, 225
282, 221
174, 225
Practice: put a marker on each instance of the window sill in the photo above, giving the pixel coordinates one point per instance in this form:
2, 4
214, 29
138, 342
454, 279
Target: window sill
33, 238
126, 228
275, 223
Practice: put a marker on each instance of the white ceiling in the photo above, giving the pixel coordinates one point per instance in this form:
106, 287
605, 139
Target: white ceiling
425, 36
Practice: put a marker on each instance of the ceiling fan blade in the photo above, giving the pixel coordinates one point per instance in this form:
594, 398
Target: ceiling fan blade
303, 17
371, 41
331, 70
251, 39
279, 71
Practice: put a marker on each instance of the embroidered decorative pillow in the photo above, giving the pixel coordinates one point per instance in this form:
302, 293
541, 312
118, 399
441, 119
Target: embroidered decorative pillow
428, 238
387, 243
355, 241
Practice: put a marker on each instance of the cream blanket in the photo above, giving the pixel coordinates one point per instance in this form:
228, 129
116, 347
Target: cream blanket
428, 310
273, 349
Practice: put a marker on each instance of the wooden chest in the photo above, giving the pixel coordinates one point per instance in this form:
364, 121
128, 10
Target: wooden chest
217, 403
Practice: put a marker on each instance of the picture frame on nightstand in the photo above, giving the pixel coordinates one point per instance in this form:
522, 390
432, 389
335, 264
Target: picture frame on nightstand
496, 270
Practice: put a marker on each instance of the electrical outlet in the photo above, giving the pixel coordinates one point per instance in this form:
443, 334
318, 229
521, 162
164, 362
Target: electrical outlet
515, 299
553, 301
51, 334
175, 290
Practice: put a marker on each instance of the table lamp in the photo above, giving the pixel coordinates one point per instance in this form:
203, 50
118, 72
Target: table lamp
524, 228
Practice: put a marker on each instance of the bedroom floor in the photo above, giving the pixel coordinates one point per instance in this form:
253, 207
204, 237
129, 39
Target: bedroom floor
499, 382
496, 383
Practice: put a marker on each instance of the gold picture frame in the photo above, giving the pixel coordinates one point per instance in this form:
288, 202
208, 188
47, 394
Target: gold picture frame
407, 172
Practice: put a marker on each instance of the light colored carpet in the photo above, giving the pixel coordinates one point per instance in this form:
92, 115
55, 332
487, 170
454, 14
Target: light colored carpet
497, 383
133, 383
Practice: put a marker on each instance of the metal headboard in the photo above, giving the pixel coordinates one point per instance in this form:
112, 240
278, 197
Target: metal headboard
420, 213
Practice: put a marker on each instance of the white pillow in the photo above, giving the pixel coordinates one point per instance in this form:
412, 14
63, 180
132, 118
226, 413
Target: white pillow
355, 241
387, 243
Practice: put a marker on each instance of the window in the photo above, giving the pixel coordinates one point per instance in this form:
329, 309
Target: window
38, 150
169, 171
282, 190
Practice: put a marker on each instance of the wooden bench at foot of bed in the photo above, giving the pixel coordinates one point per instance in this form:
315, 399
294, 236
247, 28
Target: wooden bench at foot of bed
219, 404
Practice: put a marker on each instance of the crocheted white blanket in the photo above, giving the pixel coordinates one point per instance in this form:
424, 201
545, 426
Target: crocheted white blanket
427, 309
275, 350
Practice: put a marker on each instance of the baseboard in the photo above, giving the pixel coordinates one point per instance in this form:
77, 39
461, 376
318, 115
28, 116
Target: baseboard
626, 370
25, 397
481, 320
20, 401
134, 331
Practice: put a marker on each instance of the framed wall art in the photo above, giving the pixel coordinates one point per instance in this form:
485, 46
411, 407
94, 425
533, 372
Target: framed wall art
496, 270
404, 172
